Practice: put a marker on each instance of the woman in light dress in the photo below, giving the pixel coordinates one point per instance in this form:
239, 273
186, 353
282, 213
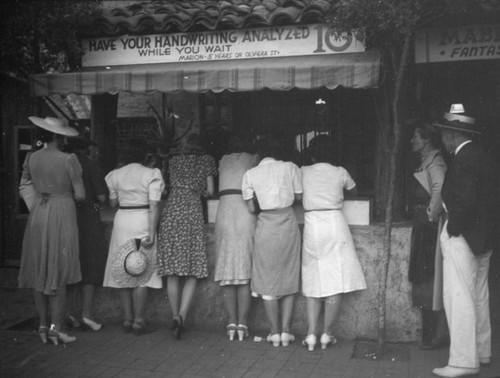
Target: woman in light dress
136, 188
330, 266
50, 251
275, 185
426, 262
234, 231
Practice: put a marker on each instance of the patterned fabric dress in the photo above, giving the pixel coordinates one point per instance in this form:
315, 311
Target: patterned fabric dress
50, 245
234, 225
181, 244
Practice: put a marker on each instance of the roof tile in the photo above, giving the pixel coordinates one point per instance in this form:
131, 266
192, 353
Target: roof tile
169, 16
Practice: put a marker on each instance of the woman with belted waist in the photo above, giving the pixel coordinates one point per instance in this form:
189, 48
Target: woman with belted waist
50, 251
275, 185
426, 269
136, 189
234, 231
182, 255
330, 265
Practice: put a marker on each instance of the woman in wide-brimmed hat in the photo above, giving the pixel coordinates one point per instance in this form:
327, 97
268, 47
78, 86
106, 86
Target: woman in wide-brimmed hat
181, 245
49, 259
136, 188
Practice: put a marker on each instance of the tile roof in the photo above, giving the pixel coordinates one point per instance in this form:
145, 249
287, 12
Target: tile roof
171, 16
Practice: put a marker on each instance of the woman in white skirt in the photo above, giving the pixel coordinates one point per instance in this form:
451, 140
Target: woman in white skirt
136, 188
330, 266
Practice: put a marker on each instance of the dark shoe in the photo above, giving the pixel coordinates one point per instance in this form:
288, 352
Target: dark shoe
139, 329
127, 326
177, 327
72, 323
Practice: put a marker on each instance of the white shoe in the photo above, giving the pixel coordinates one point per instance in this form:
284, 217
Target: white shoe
309, 342
94, 326
327, 339
453, 372
275, 339
287, 338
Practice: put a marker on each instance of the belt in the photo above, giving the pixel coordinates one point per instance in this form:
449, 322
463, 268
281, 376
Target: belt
308, 211
227, 192
134, 207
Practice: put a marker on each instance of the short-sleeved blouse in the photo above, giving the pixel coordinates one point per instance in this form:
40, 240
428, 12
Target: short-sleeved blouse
324, 186
274, 182
135, 184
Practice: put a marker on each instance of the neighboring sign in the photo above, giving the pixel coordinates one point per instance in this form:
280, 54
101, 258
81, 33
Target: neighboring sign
276, 41
458, 44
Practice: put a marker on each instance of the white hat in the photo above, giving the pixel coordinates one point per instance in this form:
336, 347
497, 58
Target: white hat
55, 125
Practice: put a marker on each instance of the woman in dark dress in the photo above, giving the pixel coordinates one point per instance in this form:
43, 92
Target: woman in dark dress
425, 259
93, 253
181, 235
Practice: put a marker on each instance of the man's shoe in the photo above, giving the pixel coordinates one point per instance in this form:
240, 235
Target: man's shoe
453, 372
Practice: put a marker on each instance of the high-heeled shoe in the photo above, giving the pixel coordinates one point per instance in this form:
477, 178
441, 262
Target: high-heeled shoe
309, 342
91, 324
231, 331
287, 338
127, 326
327, 339
177, 327
55, 336
274, 338
242, 332
42, 332
142, 328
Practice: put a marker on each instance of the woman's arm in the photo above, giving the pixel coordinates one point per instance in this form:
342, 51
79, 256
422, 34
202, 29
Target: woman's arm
251, 206
210, 186
351, 192
113, 202
154, 216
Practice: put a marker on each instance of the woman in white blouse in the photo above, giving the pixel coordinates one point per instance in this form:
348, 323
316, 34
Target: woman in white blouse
275, 184
136, 189
330, 266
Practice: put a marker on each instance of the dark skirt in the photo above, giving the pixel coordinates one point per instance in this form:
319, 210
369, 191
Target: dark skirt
93, 251
422, 259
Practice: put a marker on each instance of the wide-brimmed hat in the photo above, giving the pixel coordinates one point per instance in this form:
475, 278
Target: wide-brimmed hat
54, 125
133, 265
458, 122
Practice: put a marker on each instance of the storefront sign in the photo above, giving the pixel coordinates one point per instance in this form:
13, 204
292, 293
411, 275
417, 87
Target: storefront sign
458, 44
277, 41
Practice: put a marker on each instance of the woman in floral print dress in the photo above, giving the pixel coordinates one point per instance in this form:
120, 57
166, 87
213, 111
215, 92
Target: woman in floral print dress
181, 247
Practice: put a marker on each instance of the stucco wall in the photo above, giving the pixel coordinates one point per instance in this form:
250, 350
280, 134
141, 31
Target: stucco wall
358, 317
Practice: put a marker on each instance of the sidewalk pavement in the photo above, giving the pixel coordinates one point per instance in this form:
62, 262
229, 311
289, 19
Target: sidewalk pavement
201, 353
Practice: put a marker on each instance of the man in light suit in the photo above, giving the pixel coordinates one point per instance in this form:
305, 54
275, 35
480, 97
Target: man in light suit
469, 199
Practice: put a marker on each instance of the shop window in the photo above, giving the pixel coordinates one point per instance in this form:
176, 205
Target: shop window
23, 141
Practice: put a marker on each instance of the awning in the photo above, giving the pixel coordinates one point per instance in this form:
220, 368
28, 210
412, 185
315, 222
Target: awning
357, 70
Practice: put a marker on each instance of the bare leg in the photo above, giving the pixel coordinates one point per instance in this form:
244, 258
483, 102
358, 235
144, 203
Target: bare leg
173, 294
87, 300
229, 295
41, 304
139, 298
187, 295
244, 300
286, 312
313, 310
332, 308
57, 307
272, 308
128, 309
